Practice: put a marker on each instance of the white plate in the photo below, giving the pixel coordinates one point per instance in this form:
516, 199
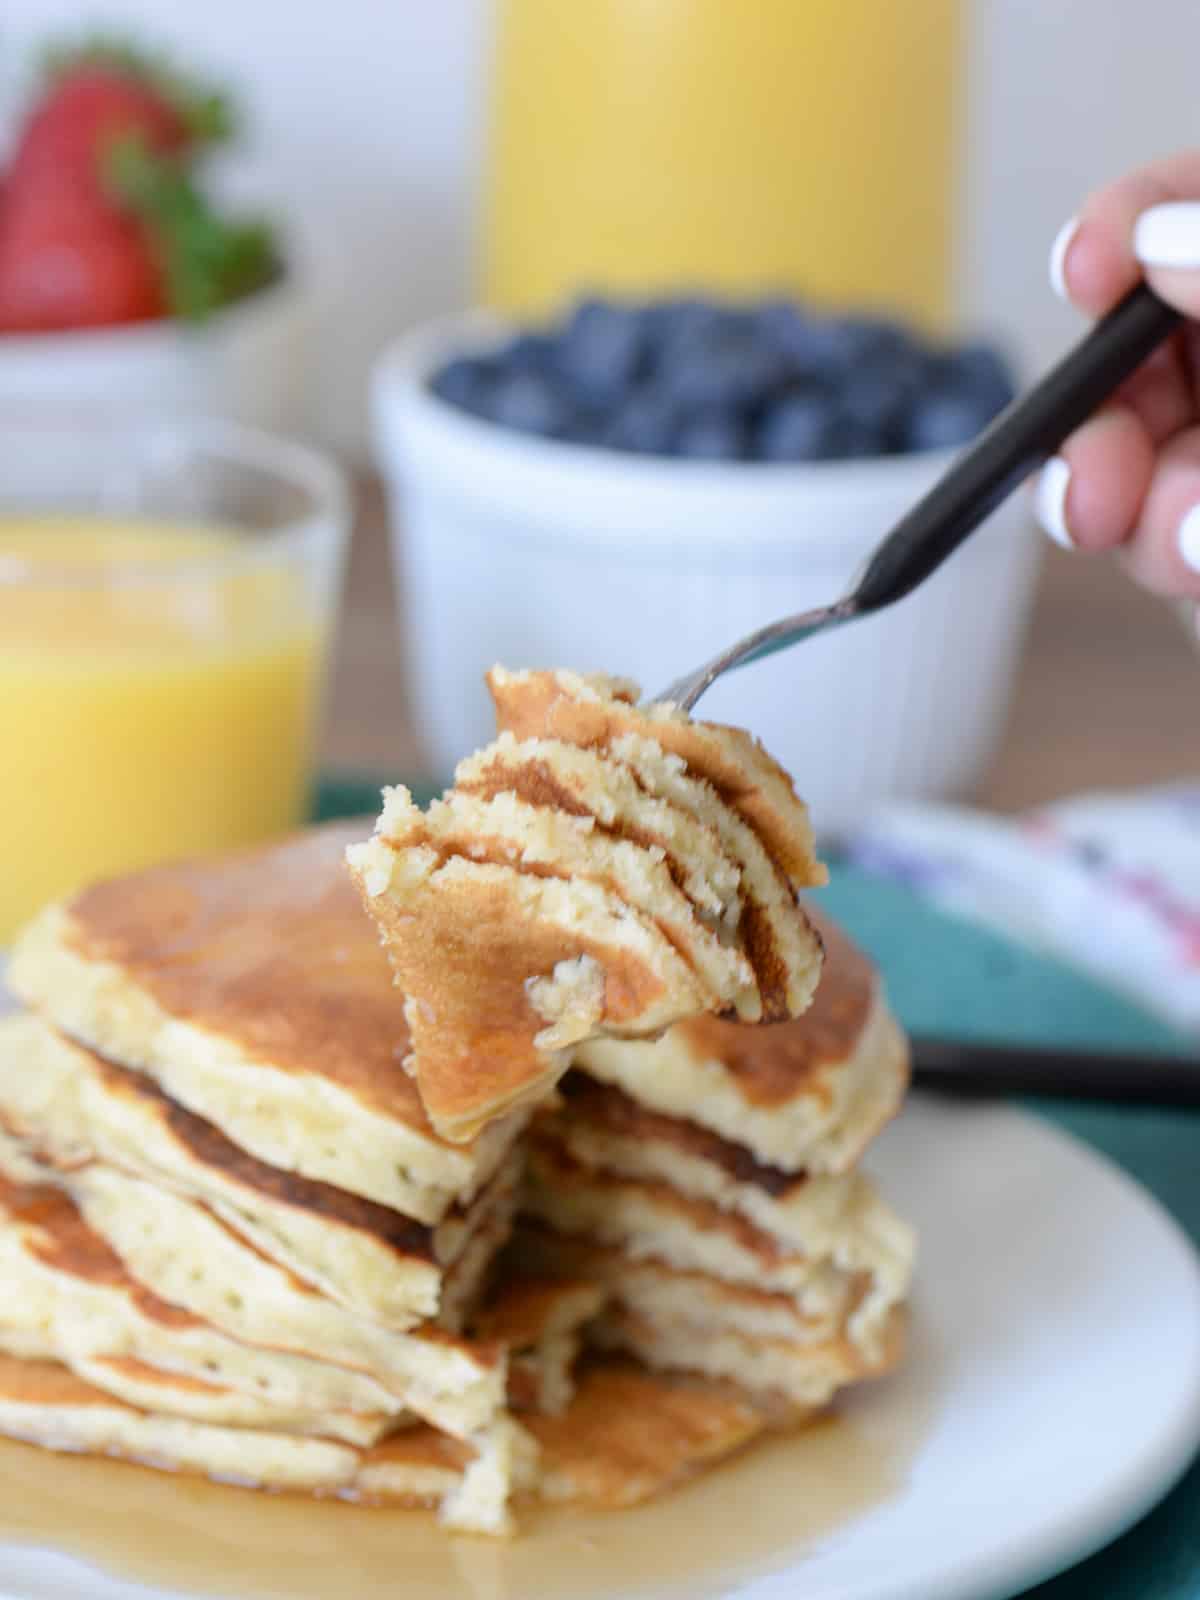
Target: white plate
1053, 1391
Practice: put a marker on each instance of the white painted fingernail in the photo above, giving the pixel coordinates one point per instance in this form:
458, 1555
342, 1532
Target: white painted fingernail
1058, 256
1188, 540
1168, 236
1050, 501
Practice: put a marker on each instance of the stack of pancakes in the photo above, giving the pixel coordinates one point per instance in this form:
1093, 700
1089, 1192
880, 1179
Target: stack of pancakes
259, 1210
709, 1181
224, 1213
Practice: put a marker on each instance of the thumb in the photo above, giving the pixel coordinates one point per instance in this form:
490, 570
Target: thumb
1166, 240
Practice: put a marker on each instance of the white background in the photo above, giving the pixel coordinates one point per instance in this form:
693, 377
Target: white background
367, 121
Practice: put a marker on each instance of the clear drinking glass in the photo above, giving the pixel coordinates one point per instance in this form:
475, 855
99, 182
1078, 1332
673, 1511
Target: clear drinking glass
167, 596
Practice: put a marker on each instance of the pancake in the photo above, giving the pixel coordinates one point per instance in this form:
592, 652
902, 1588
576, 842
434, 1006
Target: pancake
471, 1483
66, 1295
507, 830
183, 1253
541, 1323
252, 990
803, 1374
597, 711
538, 963
633, 790
74, 1106
43, 1403
571, 916
658, 1293
806, 1095
151, 1388
835, 1221
188, 1258
630, 1435
603, 1129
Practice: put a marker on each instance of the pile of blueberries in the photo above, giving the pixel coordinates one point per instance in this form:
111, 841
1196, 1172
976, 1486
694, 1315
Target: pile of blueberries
731, 381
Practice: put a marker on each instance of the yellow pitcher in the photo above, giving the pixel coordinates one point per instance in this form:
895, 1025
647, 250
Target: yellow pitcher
741, 145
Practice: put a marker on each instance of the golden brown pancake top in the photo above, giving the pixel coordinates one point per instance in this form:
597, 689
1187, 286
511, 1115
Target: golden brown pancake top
271, 949
776, 1065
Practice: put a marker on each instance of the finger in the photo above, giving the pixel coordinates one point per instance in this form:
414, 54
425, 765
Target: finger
1094, 262
1089, 497
1161, 391
1163, 553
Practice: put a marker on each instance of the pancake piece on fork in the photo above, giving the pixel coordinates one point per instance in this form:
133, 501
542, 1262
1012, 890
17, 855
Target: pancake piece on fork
601, 871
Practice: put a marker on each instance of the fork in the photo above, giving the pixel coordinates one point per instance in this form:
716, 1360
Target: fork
1019, 440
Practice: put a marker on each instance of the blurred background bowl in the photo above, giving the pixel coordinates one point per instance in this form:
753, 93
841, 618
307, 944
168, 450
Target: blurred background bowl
535, 552
248, 364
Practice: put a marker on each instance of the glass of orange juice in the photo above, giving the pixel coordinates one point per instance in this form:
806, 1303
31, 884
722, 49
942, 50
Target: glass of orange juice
167, 594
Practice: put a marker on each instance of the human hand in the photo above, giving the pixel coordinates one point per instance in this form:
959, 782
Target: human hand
1129, 478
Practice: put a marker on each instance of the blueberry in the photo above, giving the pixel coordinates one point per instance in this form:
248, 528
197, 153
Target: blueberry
875, 339
671, 321
716, 436
529, 403
533, 351
600, 350
812, 346
798, 427
465, 382
585, 427
646, 423
984, 373
945, 418
850, 439
727, 367
877, 396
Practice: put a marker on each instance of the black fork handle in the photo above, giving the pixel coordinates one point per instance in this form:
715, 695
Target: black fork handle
1021, 438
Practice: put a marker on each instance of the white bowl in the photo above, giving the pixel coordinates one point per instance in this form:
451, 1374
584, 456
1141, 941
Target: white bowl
536, 553
247, 364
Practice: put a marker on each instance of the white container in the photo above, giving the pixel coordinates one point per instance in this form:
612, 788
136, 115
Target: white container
247, 365
535, 553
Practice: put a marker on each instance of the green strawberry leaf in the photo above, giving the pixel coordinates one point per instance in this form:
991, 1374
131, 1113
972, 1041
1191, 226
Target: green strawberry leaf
208, 261
207, 111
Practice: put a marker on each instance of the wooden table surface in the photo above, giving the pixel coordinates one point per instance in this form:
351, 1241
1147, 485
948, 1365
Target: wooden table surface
1108, 693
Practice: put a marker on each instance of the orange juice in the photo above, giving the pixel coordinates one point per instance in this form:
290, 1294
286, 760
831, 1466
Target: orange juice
157, 696
724, 144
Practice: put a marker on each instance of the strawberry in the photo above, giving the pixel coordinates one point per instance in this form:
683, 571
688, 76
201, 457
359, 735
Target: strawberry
103, 90
101, 221
64, 264
72, 126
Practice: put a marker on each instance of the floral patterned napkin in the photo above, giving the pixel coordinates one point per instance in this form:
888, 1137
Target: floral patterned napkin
1109, 883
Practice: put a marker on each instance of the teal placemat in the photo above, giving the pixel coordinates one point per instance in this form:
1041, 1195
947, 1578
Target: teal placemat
945, 976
